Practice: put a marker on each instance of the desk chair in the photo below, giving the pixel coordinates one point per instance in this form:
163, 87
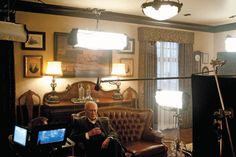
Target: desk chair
28, 107
131, 94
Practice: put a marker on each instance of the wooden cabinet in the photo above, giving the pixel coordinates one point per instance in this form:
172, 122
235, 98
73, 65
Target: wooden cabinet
61, 112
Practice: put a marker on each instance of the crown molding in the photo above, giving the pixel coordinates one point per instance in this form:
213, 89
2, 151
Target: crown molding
112, 16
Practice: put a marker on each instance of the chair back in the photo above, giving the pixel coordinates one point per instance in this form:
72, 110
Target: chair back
130, 123
28, 107
131, 94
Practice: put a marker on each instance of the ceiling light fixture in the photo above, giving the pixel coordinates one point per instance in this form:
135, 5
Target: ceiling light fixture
161, 9
97, 40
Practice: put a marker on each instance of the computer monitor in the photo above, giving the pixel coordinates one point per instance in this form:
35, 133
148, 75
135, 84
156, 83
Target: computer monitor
20, 136
49, 135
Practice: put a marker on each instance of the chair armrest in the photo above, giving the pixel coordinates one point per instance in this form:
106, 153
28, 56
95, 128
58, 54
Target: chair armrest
153, 135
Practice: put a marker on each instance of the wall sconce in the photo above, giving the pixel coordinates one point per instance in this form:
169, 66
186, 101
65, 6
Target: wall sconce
161, 9
53, 69
118, 69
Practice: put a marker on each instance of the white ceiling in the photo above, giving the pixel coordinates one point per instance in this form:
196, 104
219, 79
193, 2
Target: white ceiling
205, 12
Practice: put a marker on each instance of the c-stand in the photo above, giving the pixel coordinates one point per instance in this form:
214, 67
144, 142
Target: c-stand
222, 113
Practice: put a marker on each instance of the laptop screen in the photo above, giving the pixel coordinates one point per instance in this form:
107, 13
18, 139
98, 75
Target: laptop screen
20, 135
51, 136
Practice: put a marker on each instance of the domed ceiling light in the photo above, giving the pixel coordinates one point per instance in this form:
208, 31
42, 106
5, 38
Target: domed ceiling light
161, 9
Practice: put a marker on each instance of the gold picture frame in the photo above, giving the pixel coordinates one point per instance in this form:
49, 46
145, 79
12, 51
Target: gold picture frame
129, 66
33, 65
79, 62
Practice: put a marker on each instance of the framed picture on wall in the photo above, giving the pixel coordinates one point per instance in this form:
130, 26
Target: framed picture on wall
129, 65
33, 65
205, 58
36, 41
129, 49
78, 62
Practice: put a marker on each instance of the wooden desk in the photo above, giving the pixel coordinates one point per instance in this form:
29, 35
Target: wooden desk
62, 111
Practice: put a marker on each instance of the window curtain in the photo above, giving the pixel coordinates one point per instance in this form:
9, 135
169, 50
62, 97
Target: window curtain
186, 68
7, 79
147, 60
147, 88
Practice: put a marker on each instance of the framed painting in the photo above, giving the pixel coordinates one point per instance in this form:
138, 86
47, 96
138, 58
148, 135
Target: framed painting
205, 58
129, 65
78, 62
36, 41
33, 66
129, 49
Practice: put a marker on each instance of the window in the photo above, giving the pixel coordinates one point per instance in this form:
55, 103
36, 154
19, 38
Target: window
167, 66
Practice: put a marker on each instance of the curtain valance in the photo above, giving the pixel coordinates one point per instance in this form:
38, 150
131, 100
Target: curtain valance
157, 34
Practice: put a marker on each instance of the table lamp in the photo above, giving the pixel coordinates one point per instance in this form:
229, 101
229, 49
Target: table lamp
118, 69
53, 69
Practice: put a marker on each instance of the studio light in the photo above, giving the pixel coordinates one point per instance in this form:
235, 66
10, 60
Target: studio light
97, 40
13, 32
172, 99
163, 98
161, 9
230, 44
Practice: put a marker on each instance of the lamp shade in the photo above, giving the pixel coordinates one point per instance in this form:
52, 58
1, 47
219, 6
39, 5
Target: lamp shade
97, 40
169, 98
54, 68
161, 10
118, 69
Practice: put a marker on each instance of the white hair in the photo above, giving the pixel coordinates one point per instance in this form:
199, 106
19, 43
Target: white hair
89, 103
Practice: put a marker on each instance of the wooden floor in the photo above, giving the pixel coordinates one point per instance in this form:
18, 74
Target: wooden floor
185, 136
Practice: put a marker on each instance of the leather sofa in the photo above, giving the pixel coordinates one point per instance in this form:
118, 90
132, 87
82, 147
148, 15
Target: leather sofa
135, 131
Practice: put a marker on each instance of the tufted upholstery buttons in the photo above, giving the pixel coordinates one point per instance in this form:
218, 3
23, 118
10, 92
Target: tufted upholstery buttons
134, 129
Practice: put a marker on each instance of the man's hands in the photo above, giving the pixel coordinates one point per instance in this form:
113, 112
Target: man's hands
94, 131
97, 131
105, 143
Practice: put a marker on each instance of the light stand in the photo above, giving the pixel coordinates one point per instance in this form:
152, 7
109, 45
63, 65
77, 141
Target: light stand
178, 144
222, 113
173, 99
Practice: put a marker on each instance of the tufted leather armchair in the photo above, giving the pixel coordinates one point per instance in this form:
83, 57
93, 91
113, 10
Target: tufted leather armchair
134, 128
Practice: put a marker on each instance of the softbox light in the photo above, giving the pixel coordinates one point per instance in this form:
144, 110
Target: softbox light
13, 32
97, 40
